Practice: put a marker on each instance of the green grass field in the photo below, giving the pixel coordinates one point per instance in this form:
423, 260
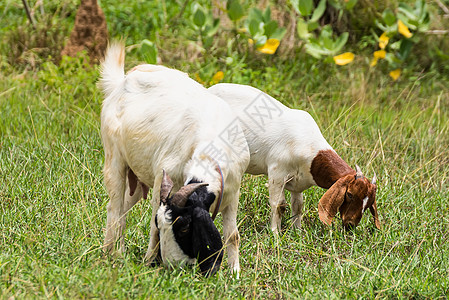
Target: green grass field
53, 201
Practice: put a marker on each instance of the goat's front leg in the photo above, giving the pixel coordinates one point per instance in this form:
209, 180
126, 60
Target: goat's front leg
153, 245
230, 231
130, 201
277, 200
297, 207
114, 178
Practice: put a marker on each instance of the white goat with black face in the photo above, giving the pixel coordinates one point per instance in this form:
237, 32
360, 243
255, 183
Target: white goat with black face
154, 119
287, 145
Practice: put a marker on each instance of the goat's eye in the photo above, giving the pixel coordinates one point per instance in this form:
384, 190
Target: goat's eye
349, 195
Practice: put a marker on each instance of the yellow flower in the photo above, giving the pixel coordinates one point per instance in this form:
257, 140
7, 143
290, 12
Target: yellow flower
198, 78
403, 29
383, 40
217, 77
344, 59
269, 47
380, 54
251, 42
395, 74
373, 62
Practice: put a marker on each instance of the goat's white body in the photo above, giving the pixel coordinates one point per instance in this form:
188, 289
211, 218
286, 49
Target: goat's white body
283, 143
157, 118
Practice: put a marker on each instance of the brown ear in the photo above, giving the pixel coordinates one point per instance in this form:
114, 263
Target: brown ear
333, 199
166, 186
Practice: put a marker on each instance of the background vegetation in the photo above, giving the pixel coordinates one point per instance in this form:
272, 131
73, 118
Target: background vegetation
52, 198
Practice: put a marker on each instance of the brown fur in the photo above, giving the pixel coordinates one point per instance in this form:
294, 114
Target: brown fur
327, 167
346, 196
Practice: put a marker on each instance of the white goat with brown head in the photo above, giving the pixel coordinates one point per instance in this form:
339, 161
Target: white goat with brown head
287, 145
154, 119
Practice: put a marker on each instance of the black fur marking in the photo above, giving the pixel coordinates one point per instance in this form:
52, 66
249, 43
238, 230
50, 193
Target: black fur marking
195, 231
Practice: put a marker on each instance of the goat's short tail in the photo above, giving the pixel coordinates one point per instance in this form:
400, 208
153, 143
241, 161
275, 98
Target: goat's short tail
112, 68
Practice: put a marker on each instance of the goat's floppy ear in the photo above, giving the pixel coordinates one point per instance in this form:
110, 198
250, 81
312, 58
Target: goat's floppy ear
333, 199
166, 186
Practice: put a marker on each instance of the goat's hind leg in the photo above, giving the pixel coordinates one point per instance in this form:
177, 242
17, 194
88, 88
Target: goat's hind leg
277, 201
297, 208
114, 178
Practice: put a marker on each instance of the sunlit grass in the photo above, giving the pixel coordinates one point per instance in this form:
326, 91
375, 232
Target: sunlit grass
53, 201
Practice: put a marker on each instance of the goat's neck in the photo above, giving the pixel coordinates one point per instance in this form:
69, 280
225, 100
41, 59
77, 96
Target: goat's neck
327, 167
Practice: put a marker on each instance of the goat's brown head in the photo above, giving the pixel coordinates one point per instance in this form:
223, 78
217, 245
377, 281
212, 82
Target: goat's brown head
351, 195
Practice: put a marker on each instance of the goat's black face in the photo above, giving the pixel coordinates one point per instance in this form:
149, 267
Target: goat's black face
186, 229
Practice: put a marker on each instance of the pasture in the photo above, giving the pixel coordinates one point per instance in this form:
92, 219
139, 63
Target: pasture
53, 200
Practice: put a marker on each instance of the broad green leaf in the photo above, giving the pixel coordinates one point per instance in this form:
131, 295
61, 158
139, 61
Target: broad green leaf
301, 28
319, 11
253, 27
199, 17
235, 10
305, 7
315, 50
326, 32
270, 27
389, 17
267, 15
311, 26
255, 14
212, 30
341, 41
350, 4
407, 11
279, 33
405, 49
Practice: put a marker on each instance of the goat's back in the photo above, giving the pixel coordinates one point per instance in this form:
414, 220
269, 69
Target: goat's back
273, 131
157, 117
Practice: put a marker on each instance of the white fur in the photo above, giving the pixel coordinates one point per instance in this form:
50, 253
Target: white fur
158, 118
282, 142
170, 251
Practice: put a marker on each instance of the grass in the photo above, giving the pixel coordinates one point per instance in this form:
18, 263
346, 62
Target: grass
53, 201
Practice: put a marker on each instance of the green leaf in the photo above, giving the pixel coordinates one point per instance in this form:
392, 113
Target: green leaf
148, 51
212, 30
319, 11
255, 14
199, 17
407, 11
405, 49
305, 7
235, 10
270, 27
312, 26
301, 28
279, 33
350, 4
315, 50
253, 27
389, 17
340, 42
267, 15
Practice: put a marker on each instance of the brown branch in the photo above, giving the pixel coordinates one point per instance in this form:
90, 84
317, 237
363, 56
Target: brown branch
27, 9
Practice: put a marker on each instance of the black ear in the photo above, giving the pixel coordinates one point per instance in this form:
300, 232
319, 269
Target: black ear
207, 244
